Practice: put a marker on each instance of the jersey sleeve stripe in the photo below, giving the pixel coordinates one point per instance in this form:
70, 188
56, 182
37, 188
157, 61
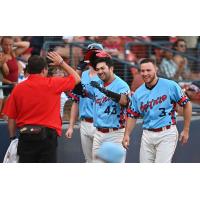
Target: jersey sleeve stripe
183, 101
133, 114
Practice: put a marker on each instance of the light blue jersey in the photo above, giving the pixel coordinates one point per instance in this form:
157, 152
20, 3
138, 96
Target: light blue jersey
86, 104
157, 105
107, 113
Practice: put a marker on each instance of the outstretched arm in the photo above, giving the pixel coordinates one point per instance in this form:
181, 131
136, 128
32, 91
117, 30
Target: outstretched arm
122, 99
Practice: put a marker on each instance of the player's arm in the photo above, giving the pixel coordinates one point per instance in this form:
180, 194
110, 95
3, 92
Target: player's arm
178, 95
58, 61
72, 121
11, 128
5, 69
130, 124
21, 46
187, 113
122, 99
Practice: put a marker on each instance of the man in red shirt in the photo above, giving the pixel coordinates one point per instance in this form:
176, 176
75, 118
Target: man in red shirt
34, 108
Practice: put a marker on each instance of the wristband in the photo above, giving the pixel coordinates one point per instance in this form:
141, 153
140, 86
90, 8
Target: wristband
61, 62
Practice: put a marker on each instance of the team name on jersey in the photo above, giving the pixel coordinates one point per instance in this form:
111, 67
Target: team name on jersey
102, 100
152, 103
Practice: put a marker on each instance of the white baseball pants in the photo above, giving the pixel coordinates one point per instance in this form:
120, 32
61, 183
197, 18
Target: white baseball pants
112, 136
158, 147
87, 131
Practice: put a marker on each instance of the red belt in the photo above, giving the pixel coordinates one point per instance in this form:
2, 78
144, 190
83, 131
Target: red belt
90, 120
159, 129
107, 130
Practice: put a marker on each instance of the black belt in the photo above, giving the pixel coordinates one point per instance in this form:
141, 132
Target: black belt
90, 120
36, 133
159, 129
33, 129
107, 130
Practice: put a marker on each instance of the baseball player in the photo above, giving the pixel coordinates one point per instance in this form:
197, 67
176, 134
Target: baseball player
110, 99
84, 105
155, 102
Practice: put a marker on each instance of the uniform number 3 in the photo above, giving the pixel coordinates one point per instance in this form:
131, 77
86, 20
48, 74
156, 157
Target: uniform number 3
111, 110
163, 113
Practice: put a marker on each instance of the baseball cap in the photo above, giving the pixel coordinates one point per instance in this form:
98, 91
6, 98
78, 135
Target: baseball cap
111, 152
95, 46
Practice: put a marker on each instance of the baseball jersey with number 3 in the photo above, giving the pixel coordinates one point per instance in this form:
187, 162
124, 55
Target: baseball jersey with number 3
157, 105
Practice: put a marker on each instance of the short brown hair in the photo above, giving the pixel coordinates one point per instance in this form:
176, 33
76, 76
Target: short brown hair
147, 60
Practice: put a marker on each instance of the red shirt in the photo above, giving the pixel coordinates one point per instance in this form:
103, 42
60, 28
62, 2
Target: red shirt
13, 70
36, 101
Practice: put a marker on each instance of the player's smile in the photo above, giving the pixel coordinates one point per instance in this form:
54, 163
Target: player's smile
101, 75
148, 73
104, 72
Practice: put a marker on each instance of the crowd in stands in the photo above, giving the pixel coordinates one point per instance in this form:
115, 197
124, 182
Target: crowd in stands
173, 60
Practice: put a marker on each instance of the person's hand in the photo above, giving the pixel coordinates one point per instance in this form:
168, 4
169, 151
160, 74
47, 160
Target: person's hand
184, 136
2, 59
55, 58
82, 65
126, 141
69, 133
79, 90
96, 85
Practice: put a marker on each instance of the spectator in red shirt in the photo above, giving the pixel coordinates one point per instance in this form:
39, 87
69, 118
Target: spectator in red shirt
11, 67
34, 108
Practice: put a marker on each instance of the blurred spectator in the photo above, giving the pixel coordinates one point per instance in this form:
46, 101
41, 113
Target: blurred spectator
2, 60
68, 39
139, 50
76, 51
158, 52
180, 59
191, 41
11, 68
98, 39
36, 42
192, 90
168, 67
59, 72
23, 61
23, 58
112, 45
192, 50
